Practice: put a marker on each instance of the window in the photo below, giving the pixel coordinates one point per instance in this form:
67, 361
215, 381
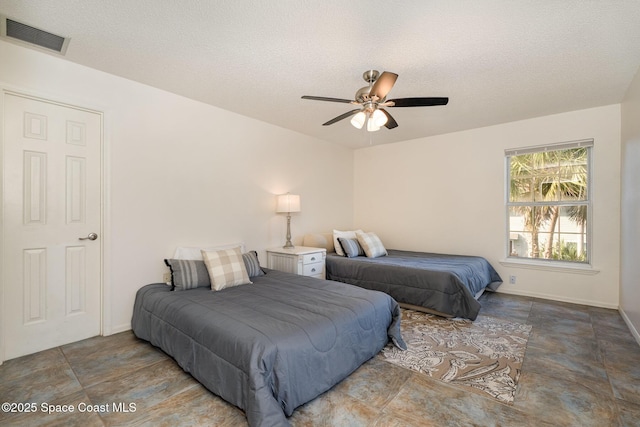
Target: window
548, 202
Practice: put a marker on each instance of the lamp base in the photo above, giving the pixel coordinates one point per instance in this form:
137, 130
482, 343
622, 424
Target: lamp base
288, 245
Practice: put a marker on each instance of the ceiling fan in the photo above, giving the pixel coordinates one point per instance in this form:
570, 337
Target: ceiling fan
371, 100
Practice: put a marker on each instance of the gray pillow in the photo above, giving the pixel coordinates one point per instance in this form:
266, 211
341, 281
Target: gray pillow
351, 247
188, 274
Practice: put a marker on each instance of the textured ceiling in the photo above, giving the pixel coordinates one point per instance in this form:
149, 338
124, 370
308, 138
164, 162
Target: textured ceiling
497, 60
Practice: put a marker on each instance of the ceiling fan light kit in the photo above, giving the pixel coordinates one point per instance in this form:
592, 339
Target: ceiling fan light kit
359, 119
378, 118
371, 126
372, 100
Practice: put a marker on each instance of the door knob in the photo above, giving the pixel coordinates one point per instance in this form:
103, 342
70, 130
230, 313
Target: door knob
90, 236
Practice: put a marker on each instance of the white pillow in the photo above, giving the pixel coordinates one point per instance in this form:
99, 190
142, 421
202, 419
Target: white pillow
196, 252
226, 268
371, 244
346, 235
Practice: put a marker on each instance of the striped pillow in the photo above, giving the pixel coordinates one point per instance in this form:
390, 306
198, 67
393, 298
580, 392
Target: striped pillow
337, 234
252, 264
371, 244
226, 268
351, 247
188, 274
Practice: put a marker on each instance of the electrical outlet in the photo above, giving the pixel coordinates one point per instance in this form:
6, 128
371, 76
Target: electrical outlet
166, 277
512, 280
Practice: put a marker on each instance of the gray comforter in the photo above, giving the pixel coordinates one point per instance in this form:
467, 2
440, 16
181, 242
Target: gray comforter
271, 346
444, 283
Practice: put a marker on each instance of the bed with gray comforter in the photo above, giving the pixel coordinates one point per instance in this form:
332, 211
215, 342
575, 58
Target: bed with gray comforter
445, 284
270, 346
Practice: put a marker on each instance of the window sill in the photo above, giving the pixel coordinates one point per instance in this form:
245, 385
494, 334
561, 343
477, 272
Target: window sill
562, 267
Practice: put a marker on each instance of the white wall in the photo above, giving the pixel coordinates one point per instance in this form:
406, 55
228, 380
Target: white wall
446, 194
185, 173
630, 207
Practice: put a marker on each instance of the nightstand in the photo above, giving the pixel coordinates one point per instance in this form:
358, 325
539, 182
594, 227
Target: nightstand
302, 260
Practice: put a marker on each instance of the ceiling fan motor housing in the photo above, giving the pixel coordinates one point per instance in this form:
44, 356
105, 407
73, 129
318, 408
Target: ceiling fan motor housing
369, 76
363, 94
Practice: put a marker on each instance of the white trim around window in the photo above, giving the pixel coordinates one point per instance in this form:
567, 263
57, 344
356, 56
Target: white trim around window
529, 230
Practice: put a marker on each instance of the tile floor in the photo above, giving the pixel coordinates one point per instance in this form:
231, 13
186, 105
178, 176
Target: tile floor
582, 368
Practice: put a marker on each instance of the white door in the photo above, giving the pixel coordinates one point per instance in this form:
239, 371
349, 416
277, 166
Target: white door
52, 201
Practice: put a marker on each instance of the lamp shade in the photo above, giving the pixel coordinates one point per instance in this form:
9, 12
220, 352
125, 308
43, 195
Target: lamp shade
371, 126
379, 118
288, 203
358, 120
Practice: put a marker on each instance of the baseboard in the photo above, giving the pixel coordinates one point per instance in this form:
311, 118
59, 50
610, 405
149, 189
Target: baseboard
630, 325
557, 298
117, 329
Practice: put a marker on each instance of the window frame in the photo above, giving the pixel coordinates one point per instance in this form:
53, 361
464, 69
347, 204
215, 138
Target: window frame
543, 262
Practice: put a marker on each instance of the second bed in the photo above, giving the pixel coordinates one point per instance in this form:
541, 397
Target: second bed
447, 285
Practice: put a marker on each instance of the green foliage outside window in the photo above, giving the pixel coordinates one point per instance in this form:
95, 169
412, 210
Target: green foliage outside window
548, 204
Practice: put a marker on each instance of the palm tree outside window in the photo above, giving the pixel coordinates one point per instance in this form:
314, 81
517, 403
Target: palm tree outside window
548, 202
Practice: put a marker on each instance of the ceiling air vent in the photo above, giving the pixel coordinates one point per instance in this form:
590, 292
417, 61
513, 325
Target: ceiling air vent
12, 30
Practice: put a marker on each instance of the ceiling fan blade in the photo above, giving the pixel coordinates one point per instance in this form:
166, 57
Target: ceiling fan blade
383, 85
391, 122
324, 98
341, 117
418, 102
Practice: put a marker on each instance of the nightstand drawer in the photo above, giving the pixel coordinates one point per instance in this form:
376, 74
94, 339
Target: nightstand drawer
312, 258
304, 260
314, 269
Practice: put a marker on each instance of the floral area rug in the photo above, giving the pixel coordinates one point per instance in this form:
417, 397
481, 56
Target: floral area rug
485, 355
